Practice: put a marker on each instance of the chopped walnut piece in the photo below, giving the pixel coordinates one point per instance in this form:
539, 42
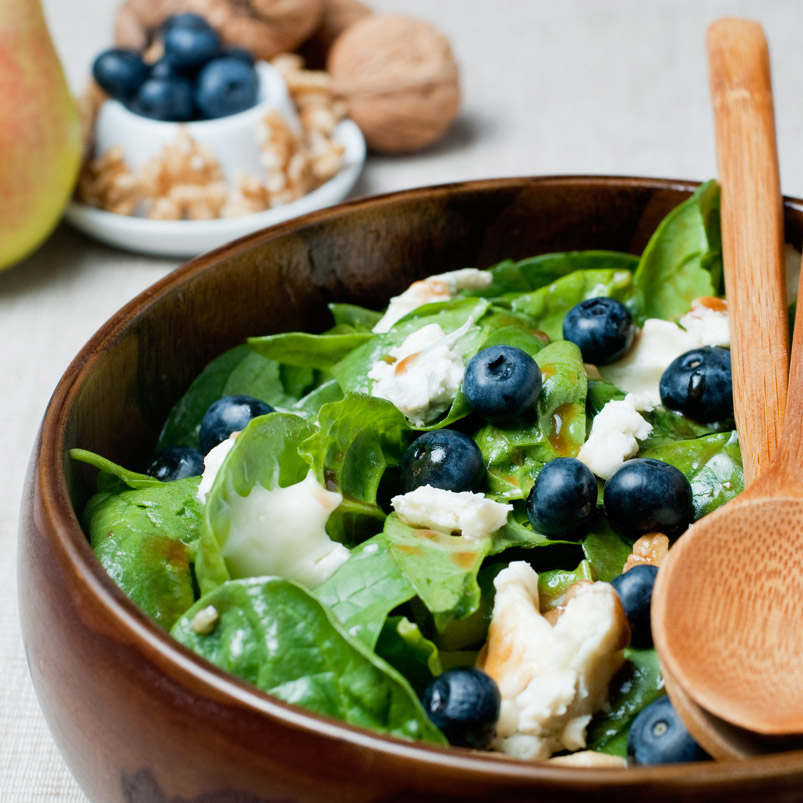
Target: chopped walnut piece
650, 549
108, 184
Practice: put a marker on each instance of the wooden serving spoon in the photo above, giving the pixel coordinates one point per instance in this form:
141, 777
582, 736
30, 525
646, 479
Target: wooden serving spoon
728, 603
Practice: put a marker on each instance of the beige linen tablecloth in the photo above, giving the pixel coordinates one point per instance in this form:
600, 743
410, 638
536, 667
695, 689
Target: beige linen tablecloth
577, 86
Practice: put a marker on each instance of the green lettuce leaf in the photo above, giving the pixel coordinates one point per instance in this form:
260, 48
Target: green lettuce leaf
405, 648
365, 589
307, 350
683, 259
146, 539
635, 686
275, 634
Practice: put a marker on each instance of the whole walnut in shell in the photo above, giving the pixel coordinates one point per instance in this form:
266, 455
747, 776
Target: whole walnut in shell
400, 80
264, 27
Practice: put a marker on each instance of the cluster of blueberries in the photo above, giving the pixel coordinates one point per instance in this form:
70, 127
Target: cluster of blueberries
196, 78
642, 496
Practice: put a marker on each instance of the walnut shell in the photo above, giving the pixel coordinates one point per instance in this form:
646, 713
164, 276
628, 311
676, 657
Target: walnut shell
400, 80
337, 16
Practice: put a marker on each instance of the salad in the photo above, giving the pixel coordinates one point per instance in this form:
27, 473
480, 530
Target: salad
443, 521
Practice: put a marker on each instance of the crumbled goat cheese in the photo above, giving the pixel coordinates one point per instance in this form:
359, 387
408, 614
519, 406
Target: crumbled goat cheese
282, 532
707, 320
440, 287
212, 463
422, 375
470, 514
615, 432
654, 347
551, 678
205, 621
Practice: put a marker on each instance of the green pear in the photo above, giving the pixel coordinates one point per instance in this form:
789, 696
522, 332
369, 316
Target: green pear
40, 137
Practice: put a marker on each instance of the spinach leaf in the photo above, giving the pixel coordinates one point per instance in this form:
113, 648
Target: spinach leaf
635, 686
712, 464
538, 271
275, 634
358, 318
554, 583
682, 260
547, 307
515, 455
306, 350
113, 477
441, 568
356, 440
669, 426
605, 550
237, 371
405, 648
600, 393
264, 454
146, 540
309, 405
365, 589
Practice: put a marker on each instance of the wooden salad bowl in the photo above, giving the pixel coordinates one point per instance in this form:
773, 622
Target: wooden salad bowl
139, 718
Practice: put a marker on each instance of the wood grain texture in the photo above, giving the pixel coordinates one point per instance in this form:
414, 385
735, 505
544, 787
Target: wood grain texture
140, 719
752, 225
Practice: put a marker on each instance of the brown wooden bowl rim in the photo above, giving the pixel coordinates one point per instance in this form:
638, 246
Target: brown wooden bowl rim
62, 529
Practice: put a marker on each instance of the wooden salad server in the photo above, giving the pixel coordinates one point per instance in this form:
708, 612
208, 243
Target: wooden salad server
727, 609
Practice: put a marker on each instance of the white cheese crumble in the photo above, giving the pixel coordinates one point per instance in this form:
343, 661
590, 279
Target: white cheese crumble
468, 513
707, 320
551, 678
282, 532
654, 347
422, 375
440, 287
205, 621
615, 432
212, 463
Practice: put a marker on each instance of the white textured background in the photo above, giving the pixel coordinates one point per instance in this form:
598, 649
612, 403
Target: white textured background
576, 86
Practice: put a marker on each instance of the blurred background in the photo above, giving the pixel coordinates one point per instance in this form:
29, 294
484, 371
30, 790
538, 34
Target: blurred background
580, 86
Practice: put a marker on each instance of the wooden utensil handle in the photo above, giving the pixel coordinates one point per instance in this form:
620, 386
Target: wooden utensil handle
752, 225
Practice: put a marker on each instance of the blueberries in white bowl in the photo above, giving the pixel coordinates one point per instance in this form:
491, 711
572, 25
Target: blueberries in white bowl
699, 384
501, 382
119, 72
645, 495
602, 328
166, 99
226, 86
658, 736
563, 499
190, 42
442, 458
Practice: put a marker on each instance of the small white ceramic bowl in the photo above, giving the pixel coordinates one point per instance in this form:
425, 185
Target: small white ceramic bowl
233, 140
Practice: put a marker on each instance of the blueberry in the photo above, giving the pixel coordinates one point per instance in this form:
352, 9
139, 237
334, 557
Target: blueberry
563, 500
645, 495
120, 72
169, 99
176, 463
226, 86
442, 458
501, 382
658, 736
163, 69
227, 415
192, 21
464, 704
602, 328
240, 53
188, 48
699, 385
634, 588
